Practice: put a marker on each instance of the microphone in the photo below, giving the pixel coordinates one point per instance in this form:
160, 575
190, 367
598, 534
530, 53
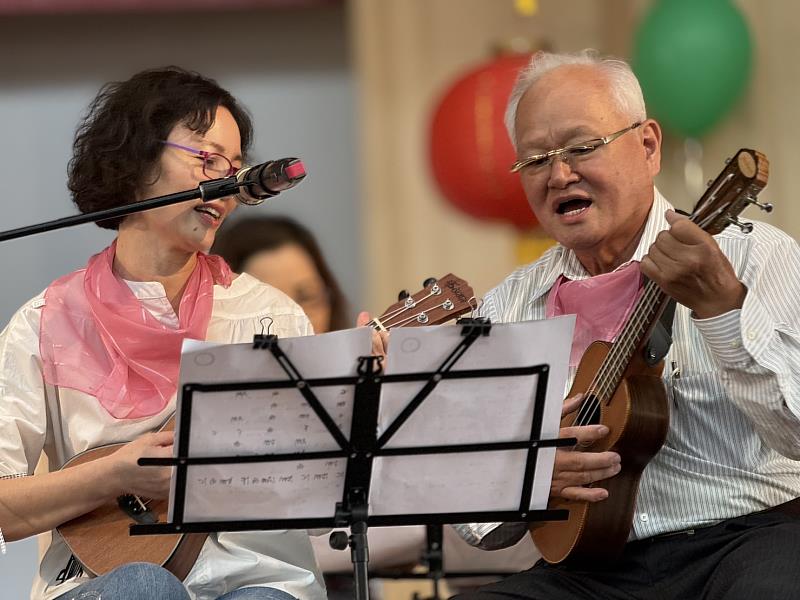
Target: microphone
251, 186
259, 182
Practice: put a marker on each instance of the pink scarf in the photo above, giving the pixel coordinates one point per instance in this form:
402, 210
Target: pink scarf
97, 338
602, 305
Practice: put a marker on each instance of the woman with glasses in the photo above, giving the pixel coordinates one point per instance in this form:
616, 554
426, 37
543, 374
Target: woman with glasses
94, 359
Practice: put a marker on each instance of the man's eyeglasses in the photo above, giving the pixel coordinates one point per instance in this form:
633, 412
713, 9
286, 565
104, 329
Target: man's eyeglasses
569, 154
215, 165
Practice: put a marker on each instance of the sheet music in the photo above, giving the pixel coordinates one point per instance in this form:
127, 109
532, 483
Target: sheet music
469, 411
279, 490
268, 421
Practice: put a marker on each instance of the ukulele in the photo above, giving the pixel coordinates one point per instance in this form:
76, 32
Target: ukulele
437, 302
622, 391
100, 539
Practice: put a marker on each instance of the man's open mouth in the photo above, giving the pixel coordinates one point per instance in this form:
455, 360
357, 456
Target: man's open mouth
573, 206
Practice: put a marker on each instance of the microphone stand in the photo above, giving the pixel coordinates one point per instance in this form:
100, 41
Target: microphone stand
207, 190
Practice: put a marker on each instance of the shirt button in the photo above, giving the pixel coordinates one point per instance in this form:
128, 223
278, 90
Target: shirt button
751, 335
643, 517
735, 344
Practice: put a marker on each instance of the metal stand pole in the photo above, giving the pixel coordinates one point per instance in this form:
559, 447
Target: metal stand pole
359, 555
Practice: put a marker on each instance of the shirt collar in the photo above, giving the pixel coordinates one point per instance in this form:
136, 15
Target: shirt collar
154, 290
146, 290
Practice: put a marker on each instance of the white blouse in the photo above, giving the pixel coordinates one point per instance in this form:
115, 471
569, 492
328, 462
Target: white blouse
36, 417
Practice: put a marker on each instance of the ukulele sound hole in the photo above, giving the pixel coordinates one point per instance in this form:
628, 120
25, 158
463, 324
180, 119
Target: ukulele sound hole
589, 413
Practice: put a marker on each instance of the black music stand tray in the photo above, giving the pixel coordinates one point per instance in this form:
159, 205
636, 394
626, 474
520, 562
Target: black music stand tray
360, 450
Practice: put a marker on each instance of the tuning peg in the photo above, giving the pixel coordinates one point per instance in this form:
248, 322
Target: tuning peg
728, 160
429, 282
765, 206
745, 227
403, 295
709, 182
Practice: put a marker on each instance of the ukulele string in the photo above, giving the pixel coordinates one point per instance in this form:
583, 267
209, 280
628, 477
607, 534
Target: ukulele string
619, 356
602, 384
595, 390
405, 308
416, 316
603, 381
622, 349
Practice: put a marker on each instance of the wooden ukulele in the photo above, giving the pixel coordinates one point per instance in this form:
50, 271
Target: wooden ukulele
626, 394
437, 302
100, 539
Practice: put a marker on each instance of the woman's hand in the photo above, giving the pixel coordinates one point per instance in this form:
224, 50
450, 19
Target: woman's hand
130, 478
380, 339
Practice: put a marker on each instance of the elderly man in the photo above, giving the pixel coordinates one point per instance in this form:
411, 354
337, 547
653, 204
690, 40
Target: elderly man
709, 520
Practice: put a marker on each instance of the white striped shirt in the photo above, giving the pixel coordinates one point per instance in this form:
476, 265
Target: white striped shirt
733, 384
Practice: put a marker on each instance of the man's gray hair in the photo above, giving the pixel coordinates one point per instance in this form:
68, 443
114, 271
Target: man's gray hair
624, 86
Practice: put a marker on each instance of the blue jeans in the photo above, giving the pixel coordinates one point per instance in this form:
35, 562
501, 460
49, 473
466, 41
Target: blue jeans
146, 581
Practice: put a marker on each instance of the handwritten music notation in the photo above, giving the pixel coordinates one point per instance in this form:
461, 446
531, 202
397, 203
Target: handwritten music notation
285, 490
331, 469
268, 422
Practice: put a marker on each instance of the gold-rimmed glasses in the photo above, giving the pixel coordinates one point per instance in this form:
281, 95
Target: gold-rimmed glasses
570, 154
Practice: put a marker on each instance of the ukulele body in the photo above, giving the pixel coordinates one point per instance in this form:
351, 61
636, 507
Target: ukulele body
637, 416
101, 539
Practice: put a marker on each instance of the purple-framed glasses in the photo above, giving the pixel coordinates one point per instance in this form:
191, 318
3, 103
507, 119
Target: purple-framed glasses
215, 165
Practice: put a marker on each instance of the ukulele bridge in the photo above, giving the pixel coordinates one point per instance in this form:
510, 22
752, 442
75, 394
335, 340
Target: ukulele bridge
136, 509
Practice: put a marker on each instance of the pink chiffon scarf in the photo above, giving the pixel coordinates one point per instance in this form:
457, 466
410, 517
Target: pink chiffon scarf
602, 304
96, 337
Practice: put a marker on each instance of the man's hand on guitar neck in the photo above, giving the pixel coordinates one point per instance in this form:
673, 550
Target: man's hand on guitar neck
130, 478
688, 265
575, 469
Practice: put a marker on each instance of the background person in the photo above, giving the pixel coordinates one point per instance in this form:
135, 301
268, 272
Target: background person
282, 252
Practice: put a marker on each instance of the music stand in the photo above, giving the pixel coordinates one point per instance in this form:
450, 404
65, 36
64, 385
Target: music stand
360, 452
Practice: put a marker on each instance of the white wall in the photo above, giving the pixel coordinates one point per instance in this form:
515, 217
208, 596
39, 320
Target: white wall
289, 67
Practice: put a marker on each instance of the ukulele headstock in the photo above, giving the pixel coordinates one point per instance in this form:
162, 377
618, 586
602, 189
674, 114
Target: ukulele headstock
734, 189
441, 300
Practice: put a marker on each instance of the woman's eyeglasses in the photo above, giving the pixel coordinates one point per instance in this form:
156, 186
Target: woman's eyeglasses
215, 165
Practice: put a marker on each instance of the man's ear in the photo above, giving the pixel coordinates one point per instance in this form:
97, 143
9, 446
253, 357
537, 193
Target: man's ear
651, 140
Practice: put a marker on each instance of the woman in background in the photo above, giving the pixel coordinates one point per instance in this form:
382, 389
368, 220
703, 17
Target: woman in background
283, 253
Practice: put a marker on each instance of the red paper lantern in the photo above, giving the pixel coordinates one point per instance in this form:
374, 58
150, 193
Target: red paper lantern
469, 147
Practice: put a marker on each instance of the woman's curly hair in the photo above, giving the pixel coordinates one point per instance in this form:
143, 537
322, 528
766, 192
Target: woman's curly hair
118, 143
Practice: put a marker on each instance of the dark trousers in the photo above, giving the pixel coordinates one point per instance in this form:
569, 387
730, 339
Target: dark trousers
754, 557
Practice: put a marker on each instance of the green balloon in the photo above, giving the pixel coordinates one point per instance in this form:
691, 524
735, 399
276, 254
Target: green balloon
693, 59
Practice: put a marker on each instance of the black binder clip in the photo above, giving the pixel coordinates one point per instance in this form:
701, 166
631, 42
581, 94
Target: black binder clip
264, 341
474, 326
369, 365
